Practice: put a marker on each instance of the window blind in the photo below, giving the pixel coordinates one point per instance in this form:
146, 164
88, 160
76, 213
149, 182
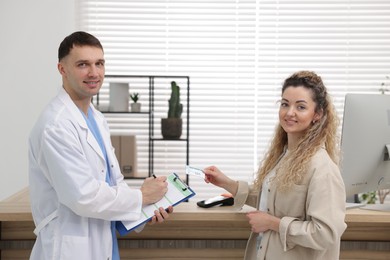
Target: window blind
237, 54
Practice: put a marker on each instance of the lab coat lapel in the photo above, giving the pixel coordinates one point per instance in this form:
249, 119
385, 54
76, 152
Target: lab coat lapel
93, 143
103, 132
74, 110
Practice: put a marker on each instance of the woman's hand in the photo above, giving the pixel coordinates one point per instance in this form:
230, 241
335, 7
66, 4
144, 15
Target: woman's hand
261, 221
215, 176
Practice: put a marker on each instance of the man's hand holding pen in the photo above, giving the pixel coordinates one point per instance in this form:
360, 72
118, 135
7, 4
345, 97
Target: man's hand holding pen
153, 189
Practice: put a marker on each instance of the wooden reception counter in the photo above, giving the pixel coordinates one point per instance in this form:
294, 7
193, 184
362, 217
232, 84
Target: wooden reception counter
195, 233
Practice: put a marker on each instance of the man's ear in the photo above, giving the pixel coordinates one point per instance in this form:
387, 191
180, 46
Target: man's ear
61, 68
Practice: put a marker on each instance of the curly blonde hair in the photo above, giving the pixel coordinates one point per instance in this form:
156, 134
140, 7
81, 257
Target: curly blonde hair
322, 133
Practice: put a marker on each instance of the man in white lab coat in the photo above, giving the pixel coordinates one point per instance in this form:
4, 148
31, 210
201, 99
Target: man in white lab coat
76, 188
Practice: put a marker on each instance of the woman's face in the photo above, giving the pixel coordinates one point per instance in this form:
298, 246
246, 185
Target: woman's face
297, 110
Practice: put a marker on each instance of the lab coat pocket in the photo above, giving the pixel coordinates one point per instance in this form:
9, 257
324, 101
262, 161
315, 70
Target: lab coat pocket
74, 247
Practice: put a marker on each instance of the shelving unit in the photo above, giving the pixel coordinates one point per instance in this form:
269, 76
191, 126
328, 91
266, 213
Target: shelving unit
154, 113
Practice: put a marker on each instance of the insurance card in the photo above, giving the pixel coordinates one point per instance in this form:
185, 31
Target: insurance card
194, 171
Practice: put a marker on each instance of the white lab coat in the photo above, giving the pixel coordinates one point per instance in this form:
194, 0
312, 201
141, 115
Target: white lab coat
71, 203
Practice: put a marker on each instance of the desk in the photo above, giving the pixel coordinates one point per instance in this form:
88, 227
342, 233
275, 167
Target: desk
195, 233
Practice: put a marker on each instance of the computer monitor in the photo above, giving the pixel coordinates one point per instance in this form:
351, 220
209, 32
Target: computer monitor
365, 143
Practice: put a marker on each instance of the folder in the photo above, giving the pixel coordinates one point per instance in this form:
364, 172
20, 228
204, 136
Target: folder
177, 192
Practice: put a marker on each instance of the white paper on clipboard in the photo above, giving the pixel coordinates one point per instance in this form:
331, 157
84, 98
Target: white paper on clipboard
177, 192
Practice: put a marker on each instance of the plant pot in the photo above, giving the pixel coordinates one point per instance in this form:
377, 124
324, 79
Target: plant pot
135, 107
171, 128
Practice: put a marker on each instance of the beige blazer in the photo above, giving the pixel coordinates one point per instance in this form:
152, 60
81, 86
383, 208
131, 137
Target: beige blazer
312, 215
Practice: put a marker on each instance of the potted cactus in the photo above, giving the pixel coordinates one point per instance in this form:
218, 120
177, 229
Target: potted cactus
135, 106
171, 127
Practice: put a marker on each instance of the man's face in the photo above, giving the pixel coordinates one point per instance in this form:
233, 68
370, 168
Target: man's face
83, 72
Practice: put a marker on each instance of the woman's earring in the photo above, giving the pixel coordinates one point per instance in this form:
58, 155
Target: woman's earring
314, 121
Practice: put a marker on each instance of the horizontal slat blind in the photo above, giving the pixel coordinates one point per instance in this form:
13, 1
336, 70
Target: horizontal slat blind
346, 42
237, 54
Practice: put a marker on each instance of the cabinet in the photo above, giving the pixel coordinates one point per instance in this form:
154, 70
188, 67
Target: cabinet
195, 233
154, 95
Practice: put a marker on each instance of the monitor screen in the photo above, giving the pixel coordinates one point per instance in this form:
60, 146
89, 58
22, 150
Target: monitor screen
365, 141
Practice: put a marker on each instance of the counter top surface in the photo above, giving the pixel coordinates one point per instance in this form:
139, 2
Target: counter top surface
17, 208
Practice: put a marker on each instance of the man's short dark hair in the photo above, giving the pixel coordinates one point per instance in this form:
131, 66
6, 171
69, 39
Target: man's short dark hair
79, 38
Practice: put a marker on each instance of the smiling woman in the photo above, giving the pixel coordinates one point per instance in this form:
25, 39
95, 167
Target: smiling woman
297, 112
299, 182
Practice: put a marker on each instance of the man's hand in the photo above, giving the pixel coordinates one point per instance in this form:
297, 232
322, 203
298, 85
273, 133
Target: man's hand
153, 189
160, 215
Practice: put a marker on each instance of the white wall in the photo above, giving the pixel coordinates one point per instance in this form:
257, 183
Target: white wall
30, 34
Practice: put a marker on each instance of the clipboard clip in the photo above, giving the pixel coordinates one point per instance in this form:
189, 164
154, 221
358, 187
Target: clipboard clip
175, 180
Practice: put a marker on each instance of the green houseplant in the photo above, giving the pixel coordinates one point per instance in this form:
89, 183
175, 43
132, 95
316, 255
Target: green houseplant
171, 127
135, 106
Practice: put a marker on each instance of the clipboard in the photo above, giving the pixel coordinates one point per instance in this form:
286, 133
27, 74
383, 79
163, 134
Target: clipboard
177, 192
